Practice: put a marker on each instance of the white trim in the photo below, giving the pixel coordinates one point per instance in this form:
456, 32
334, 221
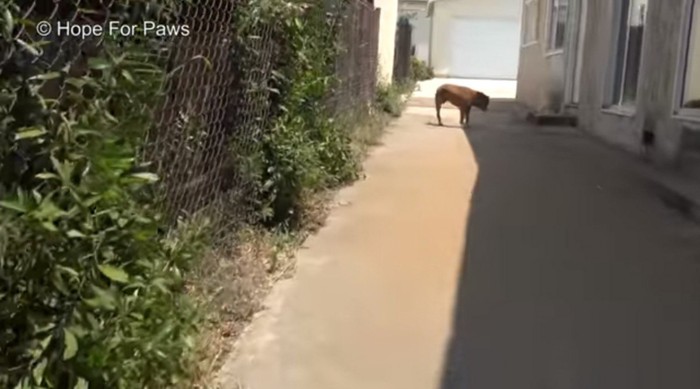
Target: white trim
620, 110
552, 53
614, 63
526, 45
573, 34
548, 26
680, 113
687, 115
550, 46
577, 55
625, 56
526, 23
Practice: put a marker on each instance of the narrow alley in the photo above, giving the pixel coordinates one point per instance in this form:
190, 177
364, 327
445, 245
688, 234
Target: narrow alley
512, 257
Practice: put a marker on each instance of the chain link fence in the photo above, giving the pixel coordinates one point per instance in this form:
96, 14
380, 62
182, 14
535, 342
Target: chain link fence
357, 65
117, 114
216, 104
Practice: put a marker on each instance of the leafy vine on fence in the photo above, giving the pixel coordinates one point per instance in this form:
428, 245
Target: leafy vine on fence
92, 270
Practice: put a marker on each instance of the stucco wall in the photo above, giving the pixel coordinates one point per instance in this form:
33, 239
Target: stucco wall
387, 37
445, 10
541, 78
655, 98
540, 74
421, 35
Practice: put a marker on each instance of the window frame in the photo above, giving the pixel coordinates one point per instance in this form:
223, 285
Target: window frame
614, 101
687, 24
551, 34
530, 5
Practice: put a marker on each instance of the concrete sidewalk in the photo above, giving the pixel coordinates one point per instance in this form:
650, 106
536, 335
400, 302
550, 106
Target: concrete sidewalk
563, 270
371, 302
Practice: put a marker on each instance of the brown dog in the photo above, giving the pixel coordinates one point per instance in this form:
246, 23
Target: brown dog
461, 97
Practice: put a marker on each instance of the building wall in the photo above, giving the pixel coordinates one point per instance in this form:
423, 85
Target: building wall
541, 82
445, 10
545, 82
421, 35
656, 87
387, 37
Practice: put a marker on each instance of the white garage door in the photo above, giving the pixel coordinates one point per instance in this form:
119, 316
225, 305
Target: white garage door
484, 48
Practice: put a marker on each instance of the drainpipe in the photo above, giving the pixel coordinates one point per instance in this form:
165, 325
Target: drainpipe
430, 36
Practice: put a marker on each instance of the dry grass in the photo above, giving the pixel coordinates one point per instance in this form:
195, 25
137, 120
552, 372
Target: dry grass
368, 133
230, 284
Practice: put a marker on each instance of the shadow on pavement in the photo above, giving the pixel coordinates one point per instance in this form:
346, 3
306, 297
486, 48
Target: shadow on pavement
574, 276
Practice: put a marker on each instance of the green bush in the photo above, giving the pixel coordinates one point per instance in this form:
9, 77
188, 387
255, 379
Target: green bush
91, 290
389, 99
420, 71
92, 278
305, 150
389, 96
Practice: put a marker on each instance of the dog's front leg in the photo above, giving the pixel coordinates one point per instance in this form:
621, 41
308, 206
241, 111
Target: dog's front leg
466, 113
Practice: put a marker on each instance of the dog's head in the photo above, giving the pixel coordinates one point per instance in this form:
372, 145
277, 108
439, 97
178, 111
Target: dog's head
481, 101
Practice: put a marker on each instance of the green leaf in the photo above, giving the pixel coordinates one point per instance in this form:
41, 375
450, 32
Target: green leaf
45, 342
31, 49
38, 371
103, 299
13, 205
76, 82
71, 345
9, 22
48, 211
110, 117
75, 234
99, 63
81, 384
150, 177
114, 273
46, 76
92, 201
207, 63
68, 270
128, 76
47, 176
49, 226
24, 384
29, 133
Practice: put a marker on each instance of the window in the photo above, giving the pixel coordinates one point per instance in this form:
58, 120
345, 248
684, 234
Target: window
691, 80
629, 51
557, 24
530, 18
